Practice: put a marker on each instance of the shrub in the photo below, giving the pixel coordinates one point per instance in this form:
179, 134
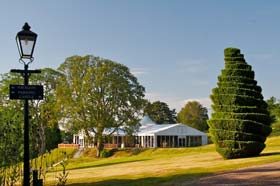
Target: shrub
276, 129
240, 121
63, 176
135, 151
105, 153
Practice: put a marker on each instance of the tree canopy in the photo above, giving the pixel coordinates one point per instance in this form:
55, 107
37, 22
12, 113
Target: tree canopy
274, 110
45, 114
96, 93
240, 120
160, 113
42, 122
194, 115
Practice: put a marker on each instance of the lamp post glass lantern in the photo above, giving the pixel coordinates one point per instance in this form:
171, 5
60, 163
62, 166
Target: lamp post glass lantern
26, 41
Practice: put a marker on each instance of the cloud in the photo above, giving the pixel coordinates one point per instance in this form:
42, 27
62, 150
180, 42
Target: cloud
152, 96
262, 57
192, 65
139, 71
172, 102
198, 82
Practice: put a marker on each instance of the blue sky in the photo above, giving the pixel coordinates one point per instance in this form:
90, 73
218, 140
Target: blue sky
175, 48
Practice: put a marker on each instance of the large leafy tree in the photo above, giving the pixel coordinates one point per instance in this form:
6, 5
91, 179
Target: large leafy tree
96, 93
194, 115
45, 115
11, 145
274, 110
11, 140
44, 131
11, 125
240, 122
160, 113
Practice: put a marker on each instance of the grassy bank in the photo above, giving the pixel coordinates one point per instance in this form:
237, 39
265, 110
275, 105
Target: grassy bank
160, 166
51, 158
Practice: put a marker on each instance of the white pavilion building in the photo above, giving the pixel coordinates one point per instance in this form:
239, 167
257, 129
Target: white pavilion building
152, 135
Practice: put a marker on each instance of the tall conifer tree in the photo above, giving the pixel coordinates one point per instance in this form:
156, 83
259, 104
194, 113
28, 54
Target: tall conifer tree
240, 120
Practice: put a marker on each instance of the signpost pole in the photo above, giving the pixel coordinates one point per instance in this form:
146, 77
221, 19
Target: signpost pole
26, 92
26, 133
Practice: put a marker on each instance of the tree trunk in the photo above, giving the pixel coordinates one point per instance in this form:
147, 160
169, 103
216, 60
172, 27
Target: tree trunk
100, 145
87, 139
42, 135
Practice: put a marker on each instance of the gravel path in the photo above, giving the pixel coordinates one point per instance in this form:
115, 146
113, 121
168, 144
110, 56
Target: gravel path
263, 175
78, 154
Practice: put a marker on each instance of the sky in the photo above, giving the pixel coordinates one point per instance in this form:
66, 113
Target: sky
173, 47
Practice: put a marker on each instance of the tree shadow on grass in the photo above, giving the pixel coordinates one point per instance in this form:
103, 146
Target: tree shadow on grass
270, 154
187, 179
109, 164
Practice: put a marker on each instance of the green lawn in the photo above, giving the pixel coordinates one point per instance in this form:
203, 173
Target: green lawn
169, 166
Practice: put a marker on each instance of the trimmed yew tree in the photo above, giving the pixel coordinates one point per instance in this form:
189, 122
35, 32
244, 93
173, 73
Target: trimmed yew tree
240, 120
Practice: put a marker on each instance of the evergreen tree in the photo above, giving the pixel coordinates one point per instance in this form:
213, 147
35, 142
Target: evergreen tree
160, 113
194, 115
240, 120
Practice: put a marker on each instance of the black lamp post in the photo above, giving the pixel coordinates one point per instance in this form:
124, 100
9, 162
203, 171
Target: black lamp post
26, 41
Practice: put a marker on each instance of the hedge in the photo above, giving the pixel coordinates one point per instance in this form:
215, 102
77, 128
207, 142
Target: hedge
240, 121
238, 65
237, 90
240, 85
220, 135
237, 73
247, 126
242, 100
258, 117
237, 79
235, 149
